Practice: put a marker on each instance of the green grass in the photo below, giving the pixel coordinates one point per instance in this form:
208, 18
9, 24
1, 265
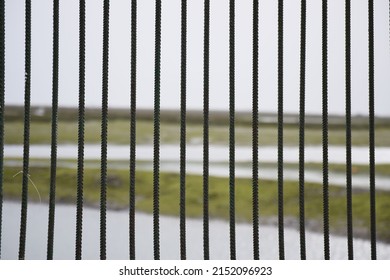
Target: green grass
357, 169
119, 131
118, 197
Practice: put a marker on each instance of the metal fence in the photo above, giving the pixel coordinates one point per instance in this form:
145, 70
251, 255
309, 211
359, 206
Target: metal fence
156, 138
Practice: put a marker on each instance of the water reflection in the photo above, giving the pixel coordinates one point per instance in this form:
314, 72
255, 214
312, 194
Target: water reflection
169, 154
117, 237
360, 155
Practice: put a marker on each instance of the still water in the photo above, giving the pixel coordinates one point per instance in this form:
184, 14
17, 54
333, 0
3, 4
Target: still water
218, 153
117, 237
219, 166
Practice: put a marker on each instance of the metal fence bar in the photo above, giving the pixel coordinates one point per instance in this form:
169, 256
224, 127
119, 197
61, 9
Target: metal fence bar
232, 221
325, 128
302, 97
2, 87
280, 132
156, 133
54, 120
80, 137
206, 68
255, 130
26, 140
371, 105
133, 123
183, 84
348, 125
103, 174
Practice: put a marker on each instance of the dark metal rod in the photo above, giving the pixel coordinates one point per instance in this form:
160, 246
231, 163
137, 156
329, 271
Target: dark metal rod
302, 232
371, 105
183, 84
325, 128
133, 123
2, 84
103, 174
348, 136
206, 63
280, 132
156, 134
231, 130
81, 123
54, 120
26, 141
255, 130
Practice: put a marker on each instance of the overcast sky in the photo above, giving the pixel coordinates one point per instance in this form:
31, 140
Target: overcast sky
119, 77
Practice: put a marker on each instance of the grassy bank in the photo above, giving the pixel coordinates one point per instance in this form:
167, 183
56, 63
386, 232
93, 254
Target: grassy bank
119, 131
119, 127
357, 169
118, 197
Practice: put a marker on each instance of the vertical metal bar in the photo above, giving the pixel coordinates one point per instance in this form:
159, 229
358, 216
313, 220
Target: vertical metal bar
183, 85
325, 127
2, 84
103, 174
54, 120
81, 122
348, 125
206, 66
26, 144
371, 104
302, 98
133, 123
280, 132
255, 130
231, 129
156, 134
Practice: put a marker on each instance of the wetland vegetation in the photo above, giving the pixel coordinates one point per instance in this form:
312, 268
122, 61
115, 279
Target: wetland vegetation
118, 180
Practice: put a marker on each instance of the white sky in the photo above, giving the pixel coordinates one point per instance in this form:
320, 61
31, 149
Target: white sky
119, 77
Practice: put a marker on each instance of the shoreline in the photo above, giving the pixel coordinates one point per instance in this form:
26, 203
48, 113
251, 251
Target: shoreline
290, 222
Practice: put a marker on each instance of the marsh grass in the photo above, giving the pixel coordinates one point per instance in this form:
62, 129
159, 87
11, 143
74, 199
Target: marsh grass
118, 197
118, 133
118, 179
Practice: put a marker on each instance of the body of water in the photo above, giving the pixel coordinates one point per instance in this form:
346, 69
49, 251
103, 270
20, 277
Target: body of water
219, 161
117, 237
218, 153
